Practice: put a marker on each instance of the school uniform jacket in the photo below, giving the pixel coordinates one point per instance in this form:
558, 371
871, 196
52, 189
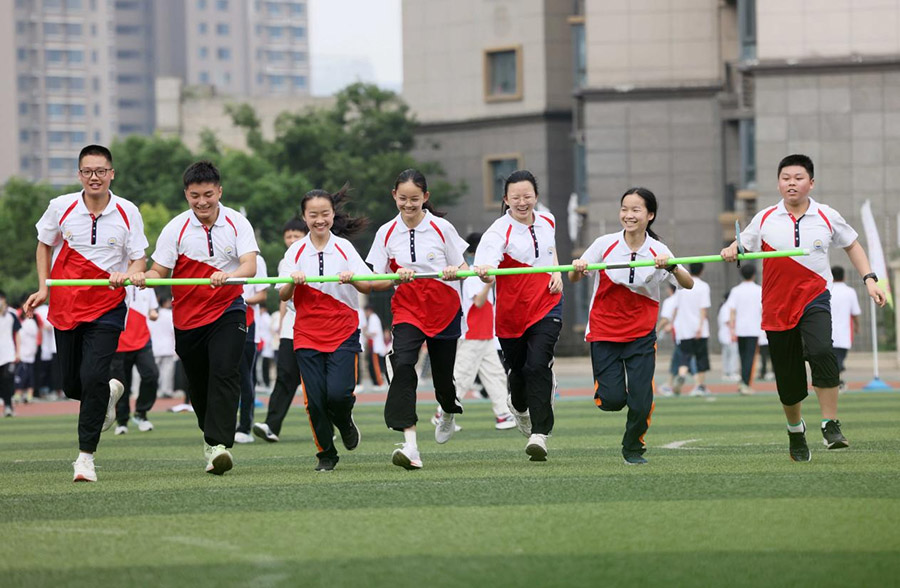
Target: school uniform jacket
429, 305
327, 313
89, 247
625, 302
522, 299
789, 284
192, 251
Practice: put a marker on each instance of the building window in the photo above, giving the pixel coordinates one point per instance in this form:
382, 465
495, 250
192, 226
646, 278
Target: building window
297, 33
223, 53
222, 29
128, 29
128, 53
503, 74
56, 110
747, 139
129, 79
24, 136
201, 4
579, 54
298, 82
61, 164
204, 77
203, 52
73, 4
275, 32
299, 56
202, 28
747, 28
126, 103
297, 9
77, 110
273, 8
496, 169
73, 29
126, 4
222, 4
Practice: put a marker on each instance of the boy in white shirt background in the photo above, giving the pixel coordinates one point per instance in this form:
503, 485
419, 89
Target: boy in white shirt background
691, 325
845, 313
745, 321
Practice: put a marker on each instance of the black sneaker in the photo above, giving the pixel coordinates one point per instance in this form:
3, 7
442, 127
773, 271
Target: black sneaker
799, 448
326, 464
633, 458
351, 436
833, 438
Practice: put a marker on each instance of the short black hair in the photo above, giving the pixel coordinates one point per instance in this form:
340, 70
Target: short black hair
202, 172
838, 273
748, 272
797, 159
95, 150
473, 239
696, 269
295, 224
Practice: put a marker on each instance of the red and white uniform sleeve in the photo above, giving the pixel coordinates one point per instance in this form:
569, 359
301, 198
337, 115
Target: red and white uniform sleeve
429, 305
86, 246
192, 251
790, 283
522, 299
327, 313
478, 322
625, 302
137, 330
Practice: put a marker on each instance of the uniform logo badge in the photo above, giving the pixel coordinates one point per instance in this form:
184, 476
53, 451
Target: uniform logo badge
67, 235
111, 241
550, 250
430, 256
229, 250
817, 244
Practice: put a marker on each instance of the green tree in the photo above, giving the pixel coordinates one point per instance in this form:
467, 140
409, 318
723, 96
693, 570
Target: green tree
149, 169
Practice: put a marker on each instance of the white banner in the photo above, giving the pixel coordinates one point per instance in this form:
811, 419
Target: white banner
876, 253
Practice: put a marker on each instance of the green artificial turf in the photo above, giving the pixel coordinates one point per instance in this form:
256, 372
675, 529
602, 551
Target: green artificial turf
727, 508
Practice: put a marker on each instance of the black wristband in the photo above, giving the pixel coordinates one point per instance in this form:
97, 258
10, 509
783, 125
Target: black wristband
870, 275
672, 268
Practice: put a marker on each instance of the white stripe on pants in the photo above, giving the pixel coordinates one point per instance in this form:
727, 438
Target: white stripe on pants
474, 356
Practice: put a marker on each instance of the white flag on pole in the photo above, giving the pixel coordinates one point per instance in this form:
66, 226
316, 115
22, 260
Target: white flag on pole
876, 253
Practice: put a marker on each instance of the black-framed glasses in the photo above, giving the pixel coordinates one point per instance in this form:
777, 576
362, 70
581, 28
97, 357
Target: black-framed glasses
101, 172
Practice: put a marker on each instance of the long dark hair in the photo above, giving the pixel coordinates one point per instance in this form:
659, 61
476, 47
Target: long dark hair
649, 199
520, 175
344, 225
418, 178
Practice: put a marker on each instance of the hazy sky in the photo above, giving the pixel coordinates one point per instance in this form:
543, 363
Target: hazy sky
355, 39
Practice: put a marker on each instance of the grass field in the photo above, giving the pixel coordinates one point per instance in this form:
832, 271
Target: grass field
727, 508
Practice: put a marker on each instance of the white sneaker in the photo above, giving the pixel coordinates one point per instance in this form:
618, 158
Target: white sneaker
143, 424
263, 431
84, 469
183, 407
218, 459
436, 420
504, 422
537, 447
243, 438
699, 391
523, 419
121, 429
116, 389
407, 457
445, 428
666, 391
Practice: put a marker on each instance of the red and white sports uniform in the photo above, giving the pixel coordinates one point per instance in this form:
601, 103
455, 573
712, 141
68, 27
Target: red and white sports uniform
804, 277
429, 305
137, 332
253, 310
479, 322
523, 299
625, 302
327, 313
192, 251
88, 247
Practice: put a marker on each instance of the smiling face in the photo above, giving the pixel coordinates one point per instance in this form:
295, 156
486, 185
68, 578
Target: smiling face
633, 214
521, 198
204, 201
89, 169
318, 212
794, 184
410, 198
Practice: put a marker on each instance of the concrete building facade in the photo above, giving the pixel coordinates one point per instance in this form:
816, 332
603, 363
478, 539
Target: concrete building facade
696, 100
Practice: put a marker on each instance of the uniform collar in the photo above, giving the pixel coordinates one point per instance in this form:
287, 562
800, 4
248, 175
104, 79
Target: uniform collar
645, 246
311, 248
82, 208
813, 208
424, 224
220, 220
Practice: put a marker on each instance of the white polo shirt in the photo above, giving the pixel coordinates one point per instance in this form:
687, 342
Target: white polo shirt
789, 284
432, 245
327, 313
48, 340
88, 247
253, 310
9, 326
191, 250
375, 334
746, 300
844, 306
625, 302
287, 323
137, 330
162, 334
688, 314
522, 299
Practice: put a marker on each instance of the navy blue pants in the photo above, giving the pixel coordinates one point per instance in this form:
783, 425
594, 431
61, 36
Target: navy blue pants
623, 376
327, 381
